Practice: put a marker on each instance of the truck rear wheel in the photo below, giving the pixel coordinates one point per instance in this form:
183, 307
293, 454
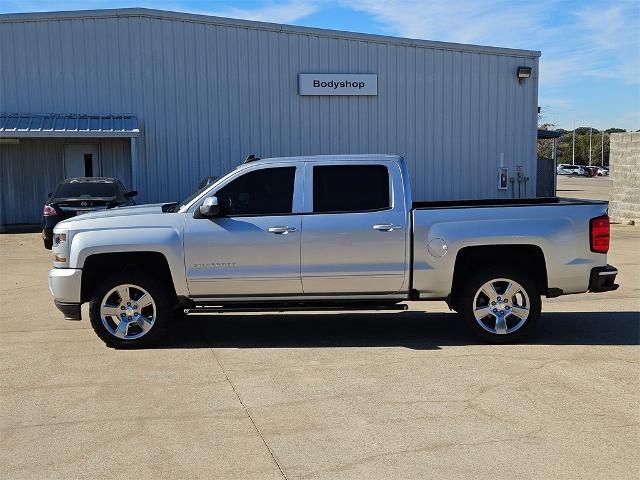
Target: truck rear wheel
130, 310
500, 305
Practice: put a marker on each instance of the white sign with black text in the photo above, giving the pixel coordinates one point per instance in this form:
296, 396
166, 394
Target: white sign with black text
338, 84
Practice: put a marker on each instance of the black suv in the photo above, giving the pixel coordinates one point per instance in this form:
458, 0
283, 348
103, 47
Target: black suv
75, 196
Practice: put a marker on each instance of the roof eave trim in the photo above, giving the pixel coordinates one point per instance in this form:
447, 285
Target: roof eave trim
199, 18
67, 134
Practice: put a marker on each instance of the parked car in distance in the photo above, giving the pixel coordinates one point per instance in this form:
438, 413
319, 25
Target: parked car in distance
335, 232
603, 171
75, 196
566, 169
591, 171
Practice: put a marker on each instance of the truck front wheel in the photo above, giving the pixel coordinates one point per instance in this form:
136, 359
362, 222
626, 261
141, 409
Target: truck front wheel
130, 310
500, 305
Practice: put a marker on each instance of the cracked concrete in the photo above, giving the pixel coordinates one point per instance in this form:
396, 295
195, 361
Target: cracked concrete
320, 396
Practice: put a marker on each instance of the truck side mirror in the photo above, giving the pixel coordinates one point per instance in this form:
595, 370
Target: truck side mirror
209, 208
50, 194
131, 194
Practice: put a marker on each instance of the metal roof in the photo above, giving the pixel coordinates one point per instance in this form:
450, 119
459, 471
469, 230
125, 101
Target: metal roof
274, 27
47, 125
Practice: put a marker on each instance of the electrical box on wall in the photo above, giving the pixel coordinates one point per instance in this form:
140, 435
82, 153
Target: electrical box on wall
503, 178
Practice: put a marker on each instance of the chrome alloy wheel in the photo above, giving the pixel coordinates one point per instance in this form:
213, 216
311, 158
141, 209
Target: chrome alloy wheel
128, 312
501, 306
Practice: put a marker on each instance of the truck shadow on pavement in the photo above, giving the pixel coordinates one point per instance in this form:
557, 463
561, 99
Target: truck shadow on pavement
415, 330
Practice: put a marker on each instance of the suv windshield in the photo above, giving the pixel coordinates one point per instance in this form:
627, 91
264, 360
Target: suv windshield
87, 190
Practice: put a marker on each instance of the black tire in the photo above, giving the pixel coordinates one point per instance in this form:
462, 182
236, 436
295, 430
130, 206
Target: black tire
162, 296
48, 243
467, 294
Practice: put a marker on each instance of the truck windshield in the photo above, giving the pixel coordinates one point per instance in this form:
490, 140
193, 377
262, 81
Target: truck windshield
198, 192
190, 198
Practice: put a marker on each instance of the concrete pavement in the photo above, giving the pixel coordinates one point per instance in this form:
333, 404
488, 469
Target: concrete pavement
596, 188
320, 396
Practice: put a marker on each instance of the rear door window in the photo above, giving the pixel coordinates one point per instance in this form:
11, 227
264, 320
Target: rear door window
350, 188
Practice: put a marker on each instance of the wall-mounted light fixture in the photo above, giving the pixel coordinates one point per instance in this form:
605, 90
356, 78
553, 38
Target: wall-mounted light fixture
523, 73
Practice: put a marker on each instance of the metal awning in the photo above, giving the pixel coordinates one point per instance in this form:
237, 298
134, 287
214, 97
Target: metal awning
542, 134
56, 125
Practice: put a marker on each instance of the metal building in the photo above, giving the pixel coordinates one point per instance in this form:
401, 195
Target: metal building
162, 99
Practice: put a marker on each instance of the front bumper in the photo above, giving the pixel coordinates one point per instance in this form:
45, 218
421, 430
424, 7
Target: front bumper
602, 279
64, 284
71, 311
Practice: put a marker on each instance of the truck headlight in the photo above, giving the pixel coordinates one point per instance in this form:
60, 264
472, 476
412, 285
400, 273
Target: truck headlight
60, 248
59, 238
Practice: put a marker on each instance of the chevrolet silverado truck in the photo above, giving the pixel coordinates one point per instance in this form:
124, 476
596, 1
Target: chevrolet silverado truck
325, 233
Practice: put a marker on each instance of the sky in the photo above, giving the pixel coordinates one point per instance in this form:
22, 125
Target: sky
590, 64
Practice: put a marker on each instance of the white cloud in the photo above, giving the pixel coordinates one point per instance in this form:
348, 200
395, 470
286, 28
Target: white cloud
286, 12
593, 41
494, 22
553, 103
628, 120
613, 38
272, 11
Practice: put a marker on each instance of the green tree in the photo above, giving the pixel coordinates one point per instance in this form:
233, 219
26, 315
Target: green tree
585, 130
565, 148
545, 145
564, 145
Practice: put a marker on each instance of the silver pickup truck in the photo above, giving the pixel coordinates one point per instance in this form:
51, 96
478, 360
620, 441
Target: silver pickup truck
330, 233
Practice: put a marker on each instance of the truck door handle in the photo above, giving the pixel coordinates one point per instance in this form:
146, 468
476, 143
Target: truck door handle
387, 227
281, 230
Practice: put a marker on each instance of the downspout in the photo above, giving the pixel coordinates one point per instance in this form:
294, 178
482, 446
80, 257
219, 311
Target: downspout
134, 164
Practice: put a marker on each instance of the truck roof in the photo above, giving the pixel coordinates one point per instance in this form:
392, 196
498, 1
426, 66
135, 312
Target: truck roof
324, 158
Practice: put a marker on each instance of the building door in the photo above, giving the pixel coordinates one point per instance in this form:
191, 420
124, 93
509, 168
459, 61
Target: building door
81, 160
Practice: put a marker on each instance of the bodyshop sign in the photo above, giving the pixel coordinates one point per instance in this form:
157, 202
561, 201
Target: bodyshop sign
337, 84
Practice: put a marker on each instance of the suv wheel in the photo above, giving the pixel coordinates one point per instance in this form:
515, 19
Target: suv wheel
500, 306
130, 310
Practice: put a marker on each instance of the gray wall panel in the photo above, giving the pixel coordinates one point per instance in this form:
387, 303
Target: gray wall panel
208, 94
34, 167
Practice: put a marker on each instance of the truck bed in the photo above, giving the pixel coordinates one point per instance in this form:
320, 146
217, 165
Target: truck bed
502, 202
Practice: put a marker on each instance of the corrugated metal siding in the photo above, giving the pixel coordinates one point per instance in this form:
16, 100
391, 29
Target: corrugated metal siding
207, 95
546, 182
34, 167
30, 170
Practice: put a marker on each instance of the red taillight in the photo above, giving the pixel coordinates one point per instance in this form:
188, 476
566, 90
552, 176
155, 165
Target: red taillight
599, 234
49, 211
